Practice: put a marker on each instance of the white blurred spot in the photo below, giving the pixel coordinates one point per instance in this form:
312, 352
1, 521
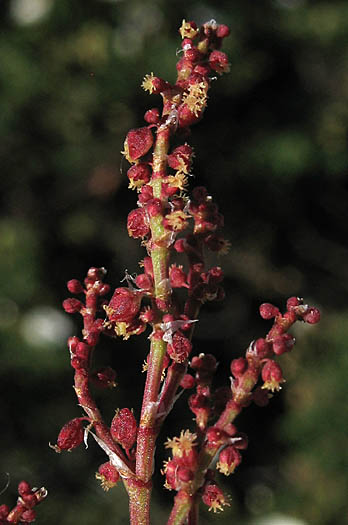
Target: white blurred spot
278, 519
45, 325
26, 12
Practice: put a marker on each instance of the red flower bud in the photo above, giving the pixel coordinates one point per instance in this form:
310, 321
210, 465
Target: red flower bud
262, 348
74, 286
283, 343
71, 435
213, 497
4, 511
218, 61
137, 143
146, 194
216, 436
180, 158
124, 428
272, 375
222, 31
180, 347
229, 459
187, 382
24, 488
108, 475
268, 311
239, 366
186, 117
72, 306
152, 116
137, 223
312, 316
177, 276
154, 207
144, 281
124, 305
293, 301
96, 274
139, 174
28, 516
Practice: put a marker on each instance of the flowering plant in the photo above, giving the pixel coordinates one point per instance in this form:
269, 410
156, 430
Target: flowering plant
167, 297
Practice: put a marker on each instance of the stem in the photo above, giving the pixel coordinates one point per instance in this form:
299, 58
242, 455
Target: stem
148, 428
182, 506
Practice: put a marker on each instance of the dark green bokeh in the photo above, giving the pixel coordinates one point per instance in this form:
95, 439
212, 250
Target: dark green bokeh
272, 149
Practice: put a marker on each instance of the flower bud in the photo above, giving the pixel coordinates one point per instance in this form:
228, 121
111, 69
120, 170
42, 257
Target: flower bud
28, 516
177, 276
108, 475
282, 344
180, 158
312, 316
229, 459
137, 143
139, 174
124, 428
24, 488
262, 348
238, 366
218, 61
187, 382
272, 375
268, 311
137, 223
152, 116
74, 286
213, 497
124, 305
180, 347
222, 31
4, 511
72, 306
71, 435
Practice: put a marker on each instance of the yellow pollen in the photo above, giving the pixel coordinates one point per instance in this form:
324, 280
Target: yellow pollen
178, 181
273, 385
147, 83
183, 444
177, 220
186, 31
196, 97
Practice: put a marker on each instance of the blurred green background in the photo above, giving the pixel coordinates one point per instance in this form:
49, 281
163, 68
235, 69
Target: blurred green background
272, 149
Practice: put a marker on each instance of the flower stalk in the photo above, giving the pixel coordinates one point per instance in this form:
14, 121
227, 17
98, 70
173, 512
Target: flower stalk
166, 299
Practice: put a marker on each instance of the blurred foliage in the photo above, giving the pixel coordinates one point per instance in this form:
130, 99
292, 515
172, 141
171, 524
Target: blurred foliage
272, 148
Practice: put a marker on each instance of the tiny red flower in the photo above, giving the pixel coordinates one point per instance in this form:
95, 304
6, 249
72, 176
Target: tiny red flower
268, 311
124, 428
137, 223
108, 475
71, 435
180, 347
137, 143
124, 305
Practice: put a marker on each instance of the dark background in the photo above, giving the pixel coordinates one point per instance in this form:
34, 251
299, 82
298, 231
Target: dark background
272, 149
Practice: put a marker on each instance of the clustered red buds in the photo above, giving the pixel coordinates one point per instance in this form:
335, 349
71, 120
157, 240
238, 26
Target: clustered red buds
166, 297
24, 511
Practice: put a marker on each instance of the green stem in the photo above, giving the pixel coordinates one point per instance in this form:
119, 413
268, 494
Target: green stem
182, 506
148, 427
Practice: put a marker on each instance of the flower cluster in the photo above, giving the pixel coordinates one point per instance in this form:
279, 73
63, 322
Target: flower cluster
177, 230
24, 511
